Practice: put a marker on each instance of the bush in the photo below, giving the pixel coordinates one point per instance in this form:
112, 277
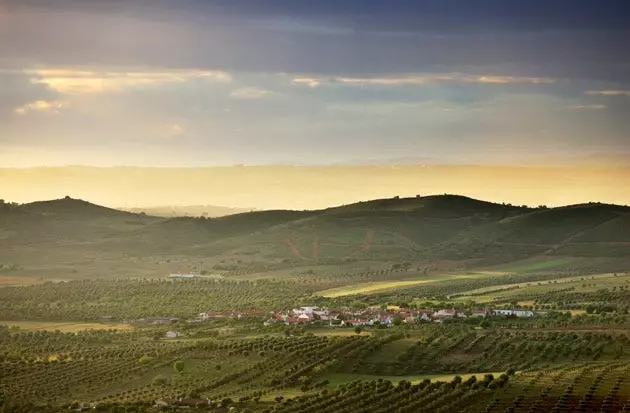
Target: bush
160, 380
145, 359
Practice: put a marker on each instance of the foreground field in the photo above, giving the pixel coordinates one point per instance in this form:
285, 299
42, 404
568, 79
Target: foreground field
435, 368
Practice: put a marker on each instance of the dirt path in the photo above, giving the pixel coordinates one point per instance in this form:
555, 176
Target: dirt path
294, 249
369, 236
316, 248
576, 235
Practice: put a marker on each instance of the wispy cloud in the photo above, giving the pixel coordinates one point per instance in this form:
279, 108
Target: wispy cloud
608, 92
421, 79
587, 107
308, 81
71, 81
250, 93
41, 106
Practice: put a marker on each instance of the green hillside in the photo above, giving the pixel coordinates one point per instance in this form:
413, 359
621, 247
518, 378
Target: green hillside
434, 232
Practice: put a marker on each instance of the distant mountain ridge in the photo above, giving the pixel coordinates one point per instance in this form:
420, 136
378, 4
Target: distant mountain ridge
211, 211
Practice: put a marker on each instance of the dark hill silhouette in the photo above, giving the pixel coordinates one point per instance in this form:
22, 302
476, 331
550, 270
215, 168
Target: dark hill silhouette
443, 206
73, 208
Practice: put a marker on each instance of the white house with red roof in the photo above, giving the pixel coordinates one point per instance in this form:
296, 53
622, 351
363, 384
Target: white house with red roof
354, 323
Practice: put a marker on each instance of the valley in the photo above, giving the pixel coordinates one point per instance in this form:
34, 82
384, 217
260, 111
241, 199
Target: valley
76, 278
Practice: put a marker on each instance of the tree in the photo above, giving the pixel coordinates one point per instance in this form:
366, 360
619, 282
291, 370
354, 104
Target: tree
358, 329
179, 366
397, 321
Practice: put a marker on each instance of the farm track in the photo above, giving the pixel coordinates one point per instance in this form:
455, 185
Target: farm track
294, 249
568, 240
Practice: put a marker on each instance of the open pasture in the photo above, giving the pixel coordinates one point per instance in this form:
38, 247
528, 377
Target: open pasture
64, 327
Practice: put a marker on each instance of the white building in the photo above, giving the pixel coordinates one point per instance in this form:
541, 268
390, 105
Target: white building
172, 334
180, 275
517, 313
305, 317
448, 312
305, 310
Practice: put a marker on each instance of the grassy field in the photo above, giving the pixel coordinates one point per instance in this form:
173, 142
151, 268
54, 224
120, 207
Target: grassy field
537, 264
8, 280
370, 287
65, 327
580, 283
379, 286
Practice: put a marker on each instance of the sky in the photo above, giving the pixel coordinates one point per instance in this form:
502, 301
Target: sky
254, 82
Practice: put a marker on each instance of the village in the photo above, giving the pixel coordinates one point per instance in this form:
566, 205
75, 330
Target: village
340, 317
352, 317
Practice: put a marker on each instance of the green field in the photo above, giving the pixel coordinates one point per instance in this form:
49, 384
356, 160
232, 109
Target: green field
64, 327
371, 287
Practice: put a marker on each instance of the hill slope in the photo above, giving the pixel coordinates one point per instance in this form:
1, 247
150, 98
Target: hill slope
420, 230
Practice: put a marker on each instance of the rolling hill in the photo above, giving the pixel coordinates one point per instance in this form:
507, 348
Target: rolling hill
69, 235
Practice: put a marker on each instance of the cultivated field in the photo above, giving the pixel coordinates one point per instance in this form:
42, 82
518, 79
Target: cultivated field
377, 266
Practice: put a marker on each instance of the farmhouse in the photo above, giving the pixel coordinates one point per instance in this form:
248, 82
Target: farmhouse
172, 334
479, 313
448, 312
517, 313
156, 320
305, 317
355, 323
185, 275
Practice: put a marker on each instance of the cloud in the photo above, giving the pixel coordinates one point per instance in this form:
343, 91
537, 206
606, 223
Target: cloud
75, 81
308, 81
610, 92
41, 106
250, 93
504, 80
422, 79
587, 107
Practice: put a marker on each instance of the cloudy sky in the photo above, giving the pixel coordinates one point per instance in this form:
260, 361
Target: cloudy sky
220, 82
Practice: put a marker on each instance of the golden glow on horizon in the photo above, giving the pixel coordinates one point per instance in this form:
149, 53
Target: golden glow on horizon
288, 187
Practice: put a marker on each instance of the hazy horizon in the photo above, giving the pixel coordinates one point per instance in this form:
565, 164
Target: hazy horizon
313, 187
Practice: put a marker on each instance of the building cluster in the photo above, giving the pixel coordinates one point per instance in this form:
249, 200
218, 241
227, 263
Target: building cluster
342, 317
371, 316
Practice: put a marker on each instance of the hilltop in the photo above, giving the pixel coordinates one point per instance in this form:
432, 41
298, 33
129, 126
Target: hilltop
434, 232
